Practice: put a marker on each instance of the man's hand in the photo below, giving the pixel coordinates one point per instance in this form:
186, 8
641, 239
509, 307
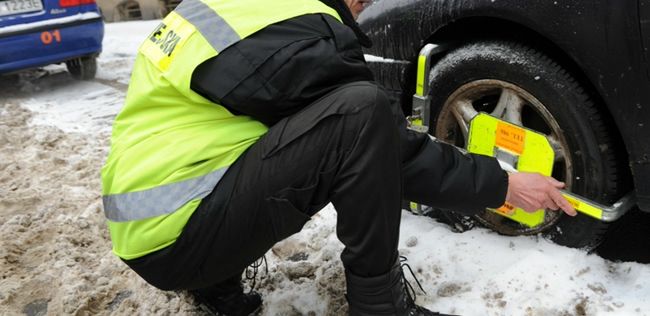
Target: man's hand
533, 191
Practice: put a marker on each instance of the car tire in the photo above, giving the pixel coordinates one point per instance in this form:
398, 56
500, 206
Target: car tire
526, 87
83, 68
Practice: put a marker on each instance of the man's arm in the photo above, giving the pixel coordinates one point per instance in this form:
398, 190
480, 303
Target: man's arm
287, 66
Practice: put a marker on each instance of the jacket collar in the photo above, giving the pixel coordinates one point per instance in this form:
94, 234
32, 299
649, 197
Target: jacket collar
347, 18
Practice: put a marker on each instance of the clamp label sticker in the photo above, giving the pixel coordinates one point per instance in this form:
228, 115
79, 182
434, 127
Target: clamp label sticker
584, 207
510, 137
506, 208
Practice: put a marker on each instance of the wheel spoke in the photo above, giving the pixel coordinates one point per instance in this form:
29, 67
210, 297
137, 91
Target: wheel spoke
464, 112
513, 112
506, 98
464, 128
557, 147
509, 106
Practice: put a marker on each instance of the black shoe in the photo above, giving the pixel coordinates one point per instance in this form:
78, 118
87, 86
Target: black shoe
236, 304
228, 299
386, 294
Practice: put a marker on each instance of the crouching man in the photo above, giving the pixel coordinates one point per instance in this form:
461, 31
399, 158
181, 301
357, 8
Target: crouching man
243, 119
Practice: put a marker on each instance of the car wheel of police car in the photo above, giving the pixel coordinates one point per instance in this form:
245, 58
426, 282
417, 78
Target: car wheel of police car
83, 68
525, 87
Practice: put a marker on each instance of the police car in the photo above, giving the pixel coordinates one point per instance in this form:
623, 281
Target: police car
35, 33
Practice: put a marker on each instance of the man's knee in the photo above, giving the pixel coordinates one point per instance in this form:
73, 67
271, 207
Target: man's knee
363, 94
368, 115
363, 102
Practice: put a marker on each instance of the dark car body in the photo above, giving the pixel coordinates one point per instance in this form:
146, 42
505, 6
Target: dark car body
605, 43
43, 32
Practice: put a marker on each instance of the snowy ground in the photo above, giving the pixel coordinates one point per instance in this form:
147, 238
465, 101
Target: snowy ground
55, 253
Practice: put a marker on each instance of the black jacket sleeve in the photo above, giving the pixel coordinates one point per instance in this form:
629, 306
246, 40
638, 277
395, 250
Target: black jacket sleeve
440, 176
283, 68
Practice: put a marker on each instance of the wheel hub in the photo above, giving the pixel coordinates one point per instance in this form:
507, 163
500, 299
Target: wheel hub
515, 105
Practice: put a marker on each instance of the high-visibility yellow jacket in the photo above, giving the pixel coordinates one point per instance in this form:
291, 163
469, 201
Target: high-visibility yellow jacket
170, 146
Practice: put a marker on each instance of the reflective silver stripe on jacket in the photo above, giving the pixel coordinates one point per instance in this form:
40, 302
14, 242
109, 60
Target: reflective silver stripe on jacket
161, 200
214, 28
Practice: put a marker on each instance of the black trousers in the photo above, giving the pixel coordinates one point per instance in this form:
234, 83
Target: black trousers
340, 149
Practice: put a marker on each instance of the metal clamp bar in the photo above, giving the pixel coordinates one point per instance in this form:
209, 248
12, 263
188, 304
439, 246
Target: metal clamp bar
605, 213
421, 111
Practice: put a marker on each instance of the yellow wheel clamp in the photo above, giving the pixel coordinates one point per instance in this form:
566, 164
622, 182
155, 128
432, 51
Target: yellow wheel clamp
517, 149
